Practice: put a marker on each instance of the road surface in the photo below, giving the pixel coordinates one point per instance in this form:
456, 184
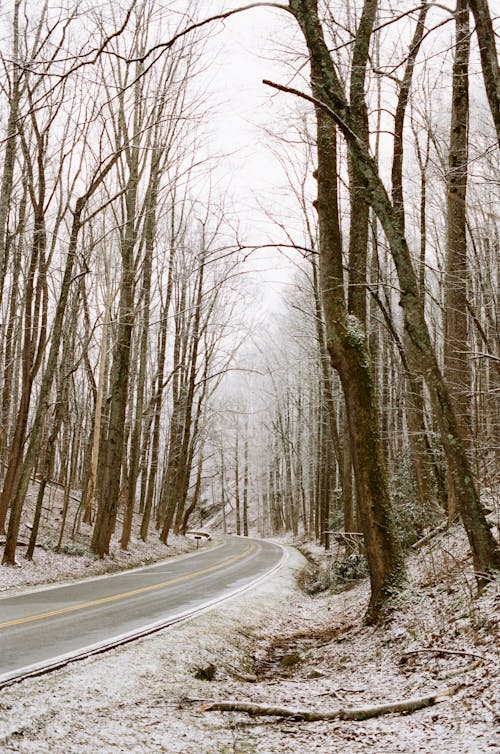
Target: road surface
48, 627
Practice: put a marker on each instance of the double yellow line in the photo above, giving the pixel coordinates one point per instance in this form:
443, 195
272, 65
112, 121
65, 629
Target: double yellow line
132, 593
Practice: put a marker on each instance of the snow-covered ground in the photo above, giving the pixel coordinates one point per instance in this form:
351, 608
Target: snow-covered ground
276, 645
49, 566
75, 558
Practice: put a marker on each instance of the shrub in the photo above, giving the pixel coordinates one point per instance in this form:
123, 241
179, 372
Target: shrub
68, 548
334, 575
411, 518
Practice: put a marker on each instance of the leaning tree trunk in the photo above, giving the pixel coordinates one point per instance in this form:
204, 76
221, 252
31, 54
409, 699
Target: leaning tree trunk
11, 341
9, 555
348, 349
60, 413
34, 338
33, 445
489, 59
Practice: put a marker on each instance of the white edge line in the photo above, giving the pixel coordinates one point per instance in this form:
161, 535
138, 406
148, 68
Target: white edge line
113, 642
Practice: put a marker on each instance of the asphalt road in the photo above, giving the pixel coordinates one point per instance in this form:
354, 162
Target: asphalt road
47, 627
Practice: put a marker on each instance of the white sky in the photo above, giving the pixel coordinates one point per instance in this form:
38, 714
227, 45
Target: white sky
245, 45
247, 52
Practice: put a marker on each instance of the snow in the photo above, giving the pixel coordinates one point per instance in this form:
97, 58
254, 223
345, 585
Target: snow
133, 699
76, 559
49, 566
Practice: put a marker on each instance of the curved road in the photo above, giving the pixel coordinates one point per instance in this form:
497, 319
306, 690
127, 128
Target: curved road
47, 628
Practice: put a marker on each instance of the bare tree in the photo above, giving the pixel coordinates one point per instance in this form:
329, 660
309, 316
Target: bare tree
329, 98
489, 58
456, 365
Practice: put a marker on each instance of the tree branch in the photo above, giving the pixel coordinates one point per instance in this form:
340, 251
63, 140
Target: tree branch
301, 713
441, 650
347, 131
198, 24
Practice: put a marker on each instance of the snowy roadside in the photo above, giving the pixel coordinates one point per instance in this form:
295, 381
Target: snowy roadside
126, 700
75, 559
276, 645
51, 567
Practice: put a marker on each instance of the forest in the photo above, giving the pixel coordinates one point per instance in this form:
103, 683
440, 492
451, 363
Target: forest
144, 374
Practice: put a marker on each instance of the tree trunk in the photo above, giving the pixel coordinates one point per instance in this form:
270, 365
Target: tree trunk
196, 495
349, 353
88, 504
328, 403
237, 503
489, 59
10, 145
223, 489
177, 475
158, 398
414, 402
9, 555
119, 377
245, 484
34, 333
359, 207
135, 443
330, 99
456, 365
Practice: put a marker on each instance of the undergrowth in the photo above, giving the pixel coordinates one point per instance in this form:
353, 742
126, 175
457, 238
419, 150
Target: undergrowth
330, 574
66, 548
411, 518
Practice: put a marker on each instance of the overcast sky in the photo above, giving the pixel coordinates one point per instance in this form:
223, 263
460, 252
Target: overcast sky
247, 48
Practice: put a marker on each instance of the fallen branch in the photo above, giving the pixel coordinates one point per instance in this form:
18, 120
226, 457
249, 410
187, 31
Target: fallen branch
245, 677
360, 713
440, 650
430, 535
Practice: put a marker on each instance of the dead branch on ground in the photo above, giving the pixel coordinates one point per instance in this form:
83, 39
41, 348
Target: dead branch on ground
308, 715
441, 650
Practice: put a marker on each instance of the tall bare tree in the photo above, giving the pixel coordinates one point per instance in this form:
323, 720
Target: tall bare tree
329, 98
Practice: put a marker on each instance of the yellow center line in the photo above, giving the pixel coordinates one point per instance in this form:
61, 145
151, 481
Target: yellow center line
132, 593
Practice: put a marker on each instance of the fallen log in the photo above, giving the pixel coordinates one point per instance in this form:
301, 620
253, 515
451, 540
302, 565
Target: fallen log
308, 715
430, 535
441, 650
